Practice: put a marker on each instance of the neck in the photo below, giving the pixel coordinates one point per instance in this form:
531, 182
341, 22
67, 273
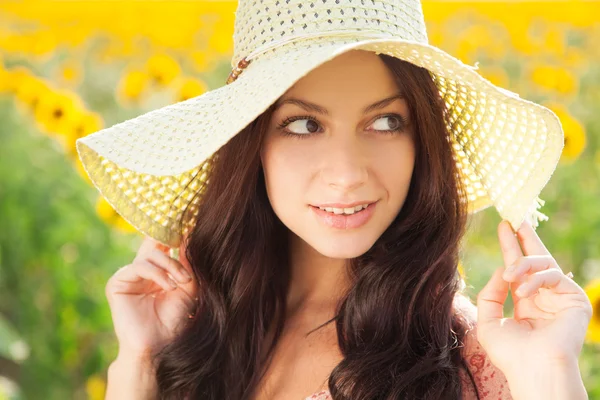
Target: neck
317, 282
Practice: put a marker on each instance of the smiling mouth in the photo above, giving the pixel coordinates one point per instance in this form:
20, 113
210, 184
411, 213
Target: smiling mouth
347, 218
344, 210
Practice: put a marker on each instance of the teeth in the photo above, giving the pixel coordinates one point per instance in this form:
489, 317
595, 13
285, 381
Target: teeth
348, 211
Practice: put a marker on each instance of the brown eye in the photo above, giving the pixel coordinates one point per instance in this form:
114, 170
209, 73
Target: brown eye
394, 123
310, 125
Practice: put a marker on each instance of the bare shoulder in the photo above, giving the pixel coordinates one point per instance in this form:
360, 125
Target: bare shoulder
464, 305
490, 382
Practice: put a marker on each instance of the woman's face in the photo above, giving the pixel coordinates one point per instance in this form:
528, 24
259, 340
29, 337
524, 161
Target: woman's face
332, 141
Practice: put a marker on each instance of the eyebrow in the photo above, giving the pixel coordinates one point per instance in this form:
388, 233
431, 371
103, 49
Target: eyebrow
322, 110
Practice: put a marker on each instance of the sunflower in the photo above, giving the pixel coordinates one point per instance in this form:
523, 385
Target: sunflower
29, 90
592, 289
555, 41
575, 137
203, 60
56, 111
132, 85
162, 69
496, 75
124, 226
479, 38
190, 87
220, 43
84, 123
95, 388
70, 72
219, 39
108, 214
15, 77
554, 78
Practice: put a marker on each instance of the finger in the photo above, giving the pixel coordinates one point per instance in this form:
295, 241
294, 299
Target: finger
567, 301
141, 270
528, 265
490, 300
550, 279
511, 250
147, 245
174, 267
531, 310
530, 241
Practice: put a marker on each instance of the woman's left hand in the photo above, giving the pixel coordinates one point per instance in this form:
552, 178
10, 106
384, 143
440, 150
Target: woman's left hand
551, 316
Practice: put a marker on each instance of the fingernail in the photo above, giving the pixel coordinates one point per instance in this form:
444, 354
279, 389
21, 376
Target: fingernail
172, 283
185, 274
510, 269
521, 290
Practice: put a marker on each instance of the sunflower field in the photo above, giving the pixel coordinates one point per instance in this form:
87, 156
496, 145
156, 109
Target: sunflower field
68, 69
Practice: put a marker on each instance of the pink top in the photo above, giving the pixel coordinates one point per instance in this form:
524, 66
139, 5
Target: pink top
490, 381
322, 395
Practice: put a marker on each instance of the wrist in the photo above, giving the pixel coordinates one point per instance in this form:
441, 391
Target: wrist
548, 381
131, 376
126, 357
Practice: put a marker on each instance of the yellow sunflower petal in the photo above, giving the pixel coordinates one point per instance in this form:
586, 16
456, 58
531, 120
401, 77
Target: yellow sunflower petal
575, 135
108, 214
191, 87
71, 72
105, 210
132, 86
83, 124
203, 60
592, 289
16, 77
57, 110
557, 79
123, 225
30, 90
162, 68
95, 388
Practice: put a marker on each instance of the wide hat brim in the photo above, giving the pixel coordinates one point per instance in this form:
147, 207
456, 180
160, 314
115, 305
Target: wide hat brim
149, 167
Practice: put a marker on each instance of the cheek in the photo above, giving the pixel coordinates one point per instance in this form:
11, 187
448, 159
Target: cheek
287, 172
394, 165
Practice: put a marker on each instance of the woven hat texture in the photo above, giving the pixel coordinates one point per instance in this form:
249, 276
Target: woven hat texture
149, 167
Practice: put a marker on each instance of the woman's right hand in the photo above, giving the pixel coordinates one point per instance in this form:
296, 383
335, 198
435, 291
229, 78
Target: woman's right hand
147, 311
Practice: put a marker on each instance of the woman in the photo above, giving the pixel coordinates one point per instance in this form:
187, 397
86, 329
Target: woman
322, 263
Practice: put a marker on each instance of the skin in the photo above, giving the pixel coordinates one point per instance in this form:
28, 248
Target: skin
349, 157
538, 348
346, 156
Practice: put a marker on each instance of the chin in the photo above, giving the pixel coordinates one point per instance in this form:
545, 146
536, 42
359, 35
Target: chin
342, 249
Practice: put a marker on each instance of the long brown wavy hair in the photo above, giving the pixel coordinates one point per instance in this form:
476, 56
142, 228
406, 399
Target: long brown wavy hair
397, 329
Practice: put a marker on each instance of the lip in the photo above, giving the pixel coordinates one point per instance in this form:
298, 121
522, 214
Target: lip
341, 205
341, 221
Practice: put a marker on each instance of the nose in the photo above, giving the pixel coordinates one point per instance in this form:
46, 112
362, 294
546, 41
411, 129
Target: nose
345, 165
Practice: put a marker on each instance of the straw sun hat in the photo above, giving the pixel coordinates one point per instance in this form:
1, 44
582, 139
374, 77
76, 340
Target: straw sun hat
149, 167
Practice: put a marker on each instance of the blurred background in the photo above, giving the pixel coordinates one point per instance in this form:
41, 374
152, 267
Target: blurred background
70, 68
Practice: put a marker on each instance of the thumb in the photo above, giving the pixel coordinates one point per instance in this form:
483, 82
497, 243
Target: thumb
490, 300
